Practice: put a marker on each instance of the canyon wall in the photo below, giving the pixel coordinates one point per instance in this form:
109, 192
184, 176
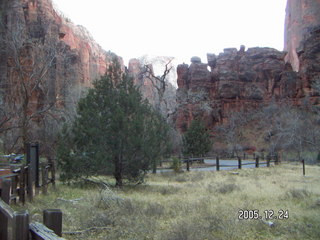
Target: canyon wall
302, 17
46, 64
244, 79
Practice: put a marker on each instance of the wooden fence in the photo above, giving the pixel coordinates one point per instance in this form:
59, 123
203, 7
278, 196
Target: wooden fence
15, 225
256, 161
23, 182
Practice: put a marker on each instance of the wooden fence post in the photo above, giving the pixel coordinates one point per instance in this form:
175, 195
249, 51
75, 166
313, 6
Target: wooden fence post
3, 227
52, 218
53, 174
5, 195
218, 164
188, 165
257, 162
20, 226
22, 185
29, 183
303, 167
239, 162
14, 188
5, 191
44, 178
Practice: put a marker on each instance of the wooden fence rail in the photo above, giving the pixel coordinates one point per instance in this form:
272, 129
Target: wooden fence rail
22, 182
17, 227
219, 163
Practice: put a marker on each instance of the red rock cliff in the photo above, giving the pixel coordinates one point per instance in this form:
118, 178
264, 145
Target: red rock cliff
301, 17
53, 58
240, 80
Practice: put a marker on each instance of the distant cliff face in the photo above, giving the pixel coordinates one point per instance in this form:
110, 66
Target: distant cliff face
236, 80
302, 17
241, 80
52, 58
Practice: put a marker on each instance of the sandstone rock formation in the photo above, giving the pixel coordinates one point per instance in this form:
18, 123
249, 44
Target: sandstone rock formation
236, 80
302, 17
241, 80
40, 45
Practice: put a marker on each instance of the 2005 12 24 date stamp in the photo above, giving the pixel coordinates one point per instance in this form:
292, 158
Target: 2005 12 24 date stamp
267, 214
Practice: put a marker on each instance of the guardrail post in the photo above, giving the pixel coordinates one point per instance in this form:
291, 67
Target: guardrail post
218, 164
239, 162
257, 162
52, 218
20, 226
303, 167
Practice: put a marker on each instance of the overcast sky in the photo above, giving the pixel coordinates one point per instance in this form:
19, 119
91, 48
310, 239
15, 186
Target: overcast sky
178, 28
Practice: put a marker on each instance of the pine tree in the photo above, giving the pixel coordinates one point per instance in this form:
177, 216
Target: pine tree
196, 140
116, 131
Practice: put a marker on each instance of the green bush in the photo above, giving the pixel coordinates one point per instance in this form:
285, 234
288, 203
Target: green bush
176, 165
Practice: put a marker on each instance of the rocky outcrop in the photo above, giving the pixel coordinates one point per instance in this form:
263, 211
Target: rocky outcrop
242, 80
302, 16
52, 58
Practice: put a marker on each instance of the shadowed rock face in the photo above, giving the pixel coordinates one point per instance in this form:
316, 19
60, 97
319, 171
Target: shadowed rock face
76, 58
302, 16
76, 61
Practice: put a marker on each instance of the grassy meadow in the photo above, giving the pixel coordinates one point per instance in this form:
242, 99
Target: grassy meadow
191, 206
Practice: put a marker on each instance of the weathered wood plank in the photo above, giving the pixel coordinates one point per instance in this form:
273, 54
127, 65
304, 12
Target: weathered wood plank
6, 213
6, 190
52, 218
6, 209
20, 225
8, 176
41, 232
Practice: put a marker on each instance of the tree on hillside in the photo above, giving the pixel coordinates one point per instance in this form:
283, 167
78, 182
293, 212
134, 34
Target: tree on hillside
116, 132
196, 140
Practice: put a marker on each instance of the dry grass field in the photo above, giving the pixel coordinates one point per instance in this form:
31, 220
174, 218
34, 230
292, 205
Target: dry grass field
191, 206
